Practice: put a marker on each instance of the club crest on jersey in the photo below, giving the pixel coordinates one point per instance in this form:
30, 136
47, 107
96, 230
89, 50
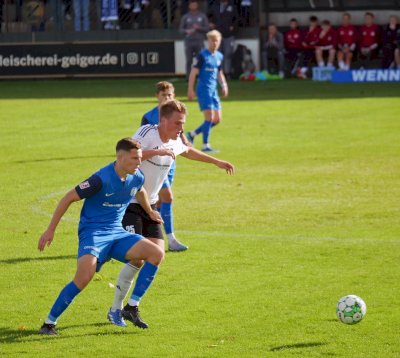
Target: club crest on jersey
133, 191
84, 185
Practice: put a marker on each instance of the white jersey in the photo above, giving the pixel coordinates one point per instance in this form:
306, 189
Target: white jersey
155, 169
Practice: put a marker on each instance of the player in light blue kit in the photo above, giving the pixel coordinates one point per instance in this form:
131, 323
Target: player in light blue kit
209, 70
107, 194
165, 91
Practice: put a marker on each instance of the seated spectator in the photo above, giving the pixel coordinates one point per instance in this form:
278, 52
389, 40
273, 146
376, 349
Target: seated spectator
326, 46
293, 40
309, 43
369, 40
397, 50
347, 42
389, 41
273, 48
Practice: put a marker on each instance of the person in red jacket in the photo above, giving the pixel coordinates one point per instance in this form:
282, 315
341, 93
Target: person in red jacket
369, 40
309, 43
347, 42
293, 39
326, 46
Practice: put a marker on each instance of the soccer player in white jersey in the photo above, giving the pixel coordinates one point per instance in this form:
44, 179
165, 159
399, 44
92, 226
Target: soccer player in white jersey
160, 144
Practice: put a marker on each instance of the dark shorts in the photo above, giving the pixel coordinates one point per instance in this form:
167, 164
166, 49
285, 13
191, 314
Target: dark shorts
137, 221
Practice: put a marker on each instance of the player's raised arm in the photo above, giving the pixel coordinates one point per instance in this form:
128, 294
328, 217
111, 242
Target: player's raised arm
194, 154
62, 207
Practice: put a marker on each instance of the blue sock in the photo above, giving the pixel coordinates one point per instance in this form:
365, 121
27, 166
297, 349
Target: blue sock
199, 129
63, 300
166, 214
206, 131
144, 280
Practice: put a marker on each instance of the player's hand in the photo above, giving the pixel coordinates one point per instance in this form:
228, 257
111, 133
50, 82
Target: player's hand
155, 216
229, 168
46, 239
191, 95
225, 91
166, 152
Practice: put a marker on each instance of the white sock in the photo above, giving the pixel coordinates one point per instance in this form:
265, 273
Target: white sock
206, 145
304, 70
133, 302
171, 237
321, 64
49, 321
124, 283
193, 133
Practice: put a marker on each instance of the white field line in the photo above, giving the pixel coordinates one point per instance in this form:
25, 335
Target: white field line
38, 210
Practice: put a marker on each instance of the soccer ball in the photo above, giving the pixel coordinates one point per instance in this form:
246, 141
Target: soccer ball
351, 309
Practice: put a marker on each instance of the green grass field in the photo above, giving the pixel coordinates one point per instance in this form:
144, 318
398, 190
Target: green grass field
311, 215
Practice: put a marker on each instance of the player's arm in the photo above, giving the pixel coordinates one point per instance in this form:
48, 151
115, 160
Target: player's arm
147, 154
223, 83
192, 79
194, 154
62, 207
143, 200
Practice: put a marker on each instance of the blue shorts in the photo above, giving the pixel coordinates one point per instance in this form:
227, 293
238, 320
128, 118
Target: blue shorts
170, 178
208, 100
107, 245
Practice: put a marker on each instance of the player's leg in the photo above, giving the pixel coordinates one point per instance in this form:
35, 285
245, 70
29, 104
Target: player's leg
166, 212
348, 59
152, 254
340, 60
331, 57
319, 57
85, 270
132, 222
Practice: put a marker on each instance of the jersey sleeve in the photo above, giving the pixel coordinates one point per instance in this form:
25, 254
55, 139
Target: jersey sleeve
199, 61
89, 187
180, 147
144, 121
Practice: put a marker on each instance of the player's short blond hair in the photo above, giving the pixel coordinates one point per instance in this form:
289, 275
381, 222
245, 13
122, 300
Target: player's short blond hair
214, 34
169, 107
164, 86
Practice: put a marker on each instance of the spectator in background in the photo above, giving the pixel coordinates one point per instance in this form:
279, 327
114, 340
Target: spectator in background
309, 43
347, 42
81, 14
397, 50
244, 8
109, 14
293, 40
194, 25
389, 41
369, 40
223, 17
326, 46
273, 47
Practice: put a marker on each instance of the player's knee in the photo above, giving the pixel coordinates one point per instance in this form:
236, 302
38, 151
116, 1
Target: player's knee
157, 255
81, 280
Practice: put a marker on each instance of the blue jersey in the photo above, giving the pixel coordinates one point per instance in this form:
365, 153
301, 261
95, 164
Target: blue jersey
151, 117
106, 199
209, 64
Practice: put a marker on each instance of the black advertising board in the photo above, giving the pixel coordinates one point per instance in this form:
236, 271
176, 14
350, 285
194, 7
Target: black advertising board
87, 59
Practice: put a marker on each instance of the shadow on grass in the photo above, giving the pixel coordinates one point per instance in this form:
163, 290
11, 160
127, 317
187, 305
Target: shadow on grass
297, 345
18, 260
60, 158
9, 335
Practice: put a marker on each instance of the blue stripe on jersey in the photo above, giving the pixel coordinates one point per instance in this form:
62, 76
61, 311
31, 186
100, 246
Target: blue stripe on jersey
146, 129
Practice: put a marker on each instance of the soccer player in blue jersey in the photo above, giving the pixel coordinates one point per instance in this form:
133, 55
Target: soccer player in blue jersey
107, 194
208, 67
165, 91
